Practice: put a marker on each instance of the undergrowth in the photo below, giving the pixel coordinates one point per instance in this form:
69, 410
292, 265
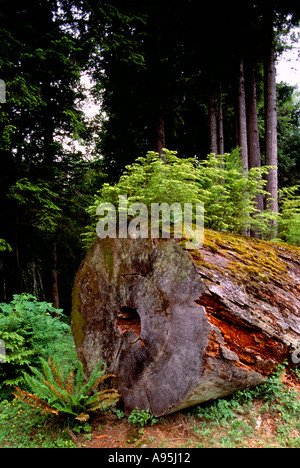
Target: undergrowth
265, 416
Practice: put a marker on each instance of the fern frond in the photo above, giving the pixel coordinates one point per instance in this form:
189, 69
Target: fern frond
69, 385
57, 372
34, 401
56, 393
78, 378
101, 380
92, 380
82, 417
103, 402
103, 399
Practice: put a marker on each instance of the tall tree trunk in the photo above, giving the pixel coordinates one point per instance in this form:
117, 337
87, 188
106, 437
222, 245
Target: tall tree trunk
49, 148
213, 122
271, 117
160, 135
253, 138
220, 118
42, 289
55, 295
243, 140
35, 282
253, 131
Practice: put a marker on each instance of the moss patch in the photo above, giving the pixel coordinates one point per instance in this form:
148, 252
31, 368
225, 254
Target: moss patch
248, 258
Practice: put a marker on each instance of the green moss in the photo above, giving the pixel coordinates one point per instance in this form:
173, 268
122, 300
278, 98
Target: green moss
107, 249
249, 258
77, 319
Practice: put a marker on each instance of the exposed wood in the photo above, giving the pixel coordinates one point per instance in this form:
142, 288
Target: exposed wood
182, 327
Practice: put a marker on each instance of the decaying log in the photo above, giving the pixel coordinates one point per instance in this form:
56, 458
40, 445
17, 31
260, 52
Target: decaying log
181, 327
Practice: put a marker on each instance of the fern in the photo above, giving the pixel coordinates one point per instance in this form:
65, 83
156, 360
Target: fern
31, 329
67, 394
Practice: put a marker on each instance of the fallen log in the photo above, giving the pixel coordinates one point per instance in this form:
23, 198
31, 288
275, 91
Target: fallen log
182, 327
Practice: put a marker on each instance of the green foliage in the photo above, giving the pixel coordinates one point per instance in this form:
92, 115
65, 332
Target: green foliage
149, 180
288, 115
37, 201
228, 194
279, 399
67, 394
30, 330
141, 417
25, 427
4, 246
289, 223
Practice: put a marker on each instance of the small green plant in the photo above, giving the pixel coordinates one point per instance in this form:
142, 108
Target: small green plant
141, 417
69, 394
120, 414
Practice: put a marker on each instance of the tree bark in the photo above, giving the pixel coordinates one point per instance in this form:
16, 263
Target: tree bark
253, 131
213, 127
179, 327
271, 117
220, 119
160, 135
243, 140
253, 138
55, 293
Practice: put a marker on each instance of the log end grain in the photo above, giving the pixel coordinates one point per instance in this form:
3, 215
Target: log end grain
181, 327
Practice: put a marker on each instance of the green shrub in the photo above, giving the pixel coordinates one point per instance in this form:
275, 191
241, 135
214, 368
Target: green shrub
30, 330
228, 194
67, 394
289, 223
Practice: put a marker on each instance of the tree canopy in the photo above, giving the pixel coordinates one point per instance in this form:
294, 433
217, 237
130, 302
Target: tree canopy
195, 79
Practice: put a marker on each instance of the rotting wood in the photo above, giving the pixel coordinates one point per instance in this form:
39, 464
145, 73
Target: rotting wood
181, 327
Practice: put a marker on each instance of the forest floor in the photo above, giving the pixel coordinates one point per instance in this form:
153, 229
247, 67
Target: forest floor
263, 417
270, 420
255, 428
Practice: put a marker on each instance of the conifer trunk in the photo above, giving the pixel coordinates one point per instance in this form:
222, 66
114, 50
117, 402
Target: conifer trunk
160, 135
213, 127
253, 138
271, 116
242, 112
220, 119
55, 293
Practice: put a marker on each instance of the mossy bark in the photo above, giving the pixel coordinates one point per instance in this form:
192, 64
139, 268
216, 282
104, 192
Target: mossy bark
181, 327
